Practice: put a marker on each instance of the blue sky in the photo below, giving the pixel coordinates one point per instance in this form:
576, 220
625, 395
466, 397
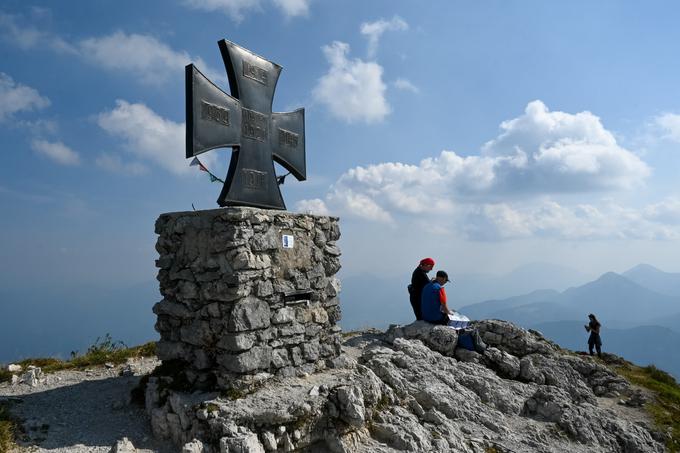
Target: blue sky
485, 134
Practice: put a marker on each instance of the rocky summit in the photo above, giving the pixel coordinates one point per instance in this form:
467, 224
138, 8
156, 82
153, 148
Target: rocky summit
412, 389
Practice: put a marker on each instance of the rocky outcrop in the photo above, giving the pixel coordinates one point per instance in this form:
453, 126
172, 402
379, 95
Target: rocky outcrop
411, 389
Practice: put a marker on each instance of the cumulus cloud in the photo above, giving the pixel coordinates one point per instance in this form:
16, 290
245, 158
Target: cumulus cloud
670, 125
237, 9
15, 97
115, 164
666, 211
352, 89
147, 135
292, 8
233, 8
14, 29
374, 30
314, 206
558, 151
56, 151
538, 153
548, 218
406, 85
142, 56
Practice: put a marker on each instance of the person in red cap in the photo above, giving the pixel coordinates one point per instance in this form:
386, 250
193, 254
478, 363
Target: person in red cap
419, 279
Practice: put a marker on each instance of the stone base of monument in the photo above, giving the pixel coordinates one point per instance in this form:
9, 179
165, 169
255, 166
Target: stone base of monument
248, 294
307, 413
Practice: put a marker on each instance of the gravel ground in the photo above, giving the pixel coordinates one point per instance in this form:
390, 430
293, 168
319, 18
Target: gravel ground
82, 411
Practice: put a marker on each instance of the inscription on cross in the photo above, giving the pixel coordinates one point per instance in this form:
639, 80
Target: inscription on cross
245, 122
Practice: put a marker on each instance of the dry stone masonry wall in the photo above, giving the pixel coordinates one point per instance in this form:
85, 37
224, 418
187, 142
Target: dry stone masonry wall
247, 294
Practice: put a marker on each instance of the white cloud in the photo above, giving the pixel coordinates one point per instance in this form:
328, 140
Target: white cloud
141, 56
666, 211
360, 205
147, 135
538, 153
406, 85
15, 30
15, 97
374, 30
353, 90
670, 124
314, 206
114, 163
548, 218
293, 8
237, 9
562, 152
233, 8
56, 151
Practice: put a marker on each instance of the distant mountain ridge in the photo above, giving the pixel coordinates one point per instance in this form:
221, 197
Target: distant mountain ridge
612, 297
640, 322
655, 279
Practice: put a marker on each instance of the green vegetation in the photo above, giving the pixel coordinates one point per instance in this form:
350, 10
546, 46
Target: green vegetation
7, 428
104, 350
665, 409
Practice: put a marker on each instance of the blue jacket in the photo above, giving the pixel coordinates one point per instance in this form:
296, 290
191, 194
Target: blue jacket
432, 298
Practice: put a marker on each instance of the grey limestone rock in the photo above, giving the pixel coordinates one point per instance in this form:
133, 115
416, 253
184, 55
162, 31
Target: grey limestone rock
400, 394
256, 358
242, 443
123, 446
236, 302
249, 314
351, 405
442, 339
195, 446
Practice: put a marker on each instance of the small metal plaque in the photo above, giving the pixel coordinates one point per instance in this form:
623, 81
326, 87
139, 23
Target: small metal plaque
214, 113
254, 125
288, 241
253, 179
288, 138
255, 73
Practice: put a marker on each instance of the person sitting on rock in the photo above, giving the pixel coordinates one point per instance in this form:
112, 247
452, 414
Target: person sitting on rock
419, 279
433, 299
594, 339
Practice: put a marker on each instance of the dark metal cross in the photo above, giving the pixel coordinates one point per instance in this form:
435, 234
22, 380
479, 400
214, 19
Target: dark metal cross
245, 122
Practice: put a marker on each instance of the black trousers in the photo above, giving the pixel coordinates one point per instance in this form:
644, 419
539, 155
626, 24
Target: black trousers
594, 341
415, 303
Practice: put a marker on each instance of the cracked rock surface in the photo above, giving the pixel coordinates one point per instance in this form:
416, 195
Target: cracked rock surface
411, 389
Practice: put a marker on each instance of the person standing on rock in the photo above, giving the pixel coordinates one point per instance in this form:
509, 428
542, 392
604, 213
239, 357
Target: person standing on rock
419, 279
434, 307
594, 339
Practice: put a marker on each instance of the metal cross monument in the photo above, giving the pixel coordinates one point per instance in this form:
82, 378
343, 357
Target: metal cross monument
245, 122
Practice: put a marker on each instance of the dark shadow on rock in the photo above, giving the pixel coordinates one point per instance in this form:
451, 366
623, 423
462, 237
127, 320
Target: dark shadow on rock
93, 413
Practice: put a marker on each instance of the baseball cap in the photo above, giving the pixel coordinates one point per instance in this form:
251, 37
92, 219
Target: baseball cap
443, 275
427, 262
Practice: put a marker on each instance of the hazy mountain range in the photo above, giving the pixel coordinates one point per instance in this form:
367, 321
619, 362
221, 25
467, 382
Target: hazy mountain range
550, 298
616, 299
639, 309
